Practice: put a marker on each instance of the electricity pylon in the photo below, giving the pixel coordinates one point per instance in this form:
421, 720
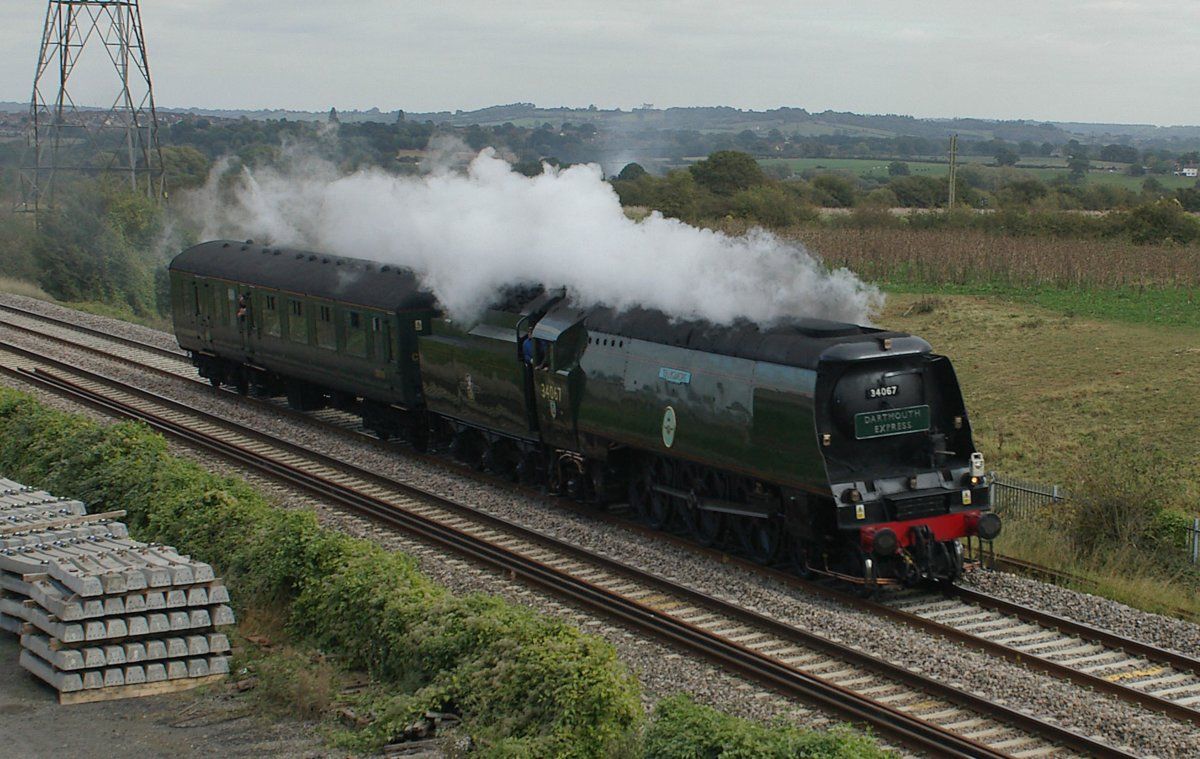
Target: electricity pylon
67, 137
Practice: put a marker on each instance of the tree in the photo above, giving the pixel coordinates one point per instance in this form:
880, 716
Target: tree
898, 169
1078, 162
184, 167
835, 190
1006, 156
630, 172
1163, 221
1022, 192
726, 172
1189, 198
918, 192
1119, 153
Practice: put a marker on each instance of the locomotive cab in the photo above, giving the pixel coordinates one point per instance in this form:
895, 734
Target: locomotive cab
905, 478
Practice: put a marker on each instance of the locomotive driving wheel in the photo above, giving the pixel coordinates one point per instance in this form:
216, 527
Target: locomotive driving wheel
800, 555
705, 526
760, 538
652, 507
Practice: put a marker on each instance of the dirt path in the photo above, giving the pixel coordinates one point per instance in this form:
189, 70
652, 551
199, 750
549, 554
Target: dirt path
195, 724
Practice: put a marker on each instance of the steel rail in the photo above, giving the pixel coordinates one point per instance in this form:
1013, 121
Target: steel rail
1063, 671
1045, 619
739, 657
130, 342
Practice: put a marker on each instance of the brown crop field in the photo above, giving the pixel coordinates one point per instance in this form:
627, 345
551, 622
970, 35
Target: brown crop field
956, 257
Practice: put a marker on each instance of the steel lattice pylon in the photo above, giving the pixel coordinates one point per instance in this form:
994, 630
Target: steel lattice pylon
65, 136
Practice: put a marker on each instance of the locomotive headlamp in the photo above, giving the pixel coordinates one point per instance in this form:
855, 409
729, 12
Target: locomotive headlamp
912, 482
977, 464
851, 495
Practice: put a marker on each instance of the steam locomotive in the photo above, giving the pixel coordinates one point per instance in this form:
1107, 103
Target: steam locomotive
843, 449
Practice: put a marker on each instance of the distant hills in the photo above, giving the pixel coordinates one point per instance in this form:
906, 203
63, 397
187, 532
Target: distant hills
788, 121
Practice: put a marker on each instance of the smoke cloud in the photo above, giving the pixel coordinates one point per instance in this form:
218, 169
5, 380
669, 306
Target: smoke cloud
470, 233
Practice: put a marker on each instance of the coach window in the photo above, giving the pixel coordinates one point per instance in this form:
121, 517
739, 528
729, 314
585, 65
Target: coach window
270, 316
230, 304
326, 333
297, 324
356, 336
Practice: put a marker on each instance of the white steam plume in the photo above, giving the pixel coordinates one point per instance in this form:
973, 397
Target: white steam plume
470, 234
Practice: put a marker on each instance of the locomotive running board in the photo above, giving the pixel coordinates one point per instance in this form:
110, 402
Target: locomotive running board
712, 504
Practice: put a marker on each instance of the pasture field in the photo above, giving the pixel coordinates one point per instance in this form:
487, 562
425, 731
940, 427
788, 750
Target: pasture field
1044, 387
1069, 400
877, 167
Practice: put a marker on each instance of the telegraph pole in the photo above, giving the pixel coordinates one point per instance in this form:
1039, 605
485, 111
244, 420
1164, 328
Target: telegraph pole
953, 168
66, 137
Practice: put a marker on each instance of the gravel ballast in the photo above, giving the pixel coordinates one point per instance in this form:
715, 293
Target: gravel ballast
662, 669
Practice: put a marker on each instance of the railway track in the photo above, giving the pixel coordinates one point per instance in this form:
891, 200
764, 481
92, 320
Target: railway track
1164, 681
917, 711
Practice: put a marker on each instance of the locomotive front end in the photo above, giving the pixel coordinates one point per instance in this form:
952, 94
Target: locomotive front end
906, 480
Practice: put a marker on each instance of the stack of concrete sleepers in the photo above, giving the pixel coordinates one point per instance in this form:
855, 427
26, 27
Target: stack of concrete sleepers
101, 616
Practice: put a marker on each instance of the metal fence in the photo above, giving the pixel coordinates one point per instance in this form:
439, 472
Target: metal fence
1193, 541
1021, 499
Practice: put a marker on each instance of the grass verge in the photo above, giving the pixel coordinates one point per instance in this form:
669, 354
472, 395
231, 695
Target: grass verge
523, 684
1098, 407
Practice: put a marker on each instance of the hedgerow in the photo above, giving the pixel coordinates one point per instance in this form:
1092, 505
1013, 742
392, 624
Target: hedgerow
525, 684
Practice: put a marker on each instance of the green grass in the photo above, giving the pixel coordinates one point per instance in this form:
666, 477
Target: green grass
877, 167
1168, 306
1052, 391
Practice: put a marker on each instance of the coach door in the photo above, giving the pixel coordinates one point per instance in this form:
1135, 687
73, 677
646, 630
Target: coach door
204, 307
558, 339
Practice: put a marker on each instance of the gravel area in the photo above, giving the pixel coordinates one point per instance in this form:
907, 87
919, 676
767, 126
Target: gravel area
114, 327
662, 670
1166, 632
1119, 723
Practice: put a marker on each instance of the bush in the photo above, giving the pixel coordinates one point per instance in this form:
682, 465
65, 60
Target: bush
1163, 221
727, 172
526, 685
834, 190
772, 206
1120, 503
530, 683
683, 729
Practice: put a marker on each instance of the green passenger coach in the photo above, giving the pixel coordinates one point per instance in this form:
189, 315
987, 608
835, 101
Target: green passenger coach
841, 448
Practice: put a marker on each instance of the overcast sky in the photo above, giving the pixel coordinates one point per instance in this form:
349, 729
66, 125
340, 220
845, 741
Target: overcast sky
1068, 60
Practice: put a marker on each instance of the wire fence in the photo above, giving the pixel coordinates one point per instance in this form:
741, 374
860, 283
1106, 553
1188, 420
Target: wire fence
1023, 500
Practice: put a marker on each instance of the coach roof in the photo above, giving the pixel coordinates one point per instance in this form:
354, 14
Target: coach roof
318, 275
